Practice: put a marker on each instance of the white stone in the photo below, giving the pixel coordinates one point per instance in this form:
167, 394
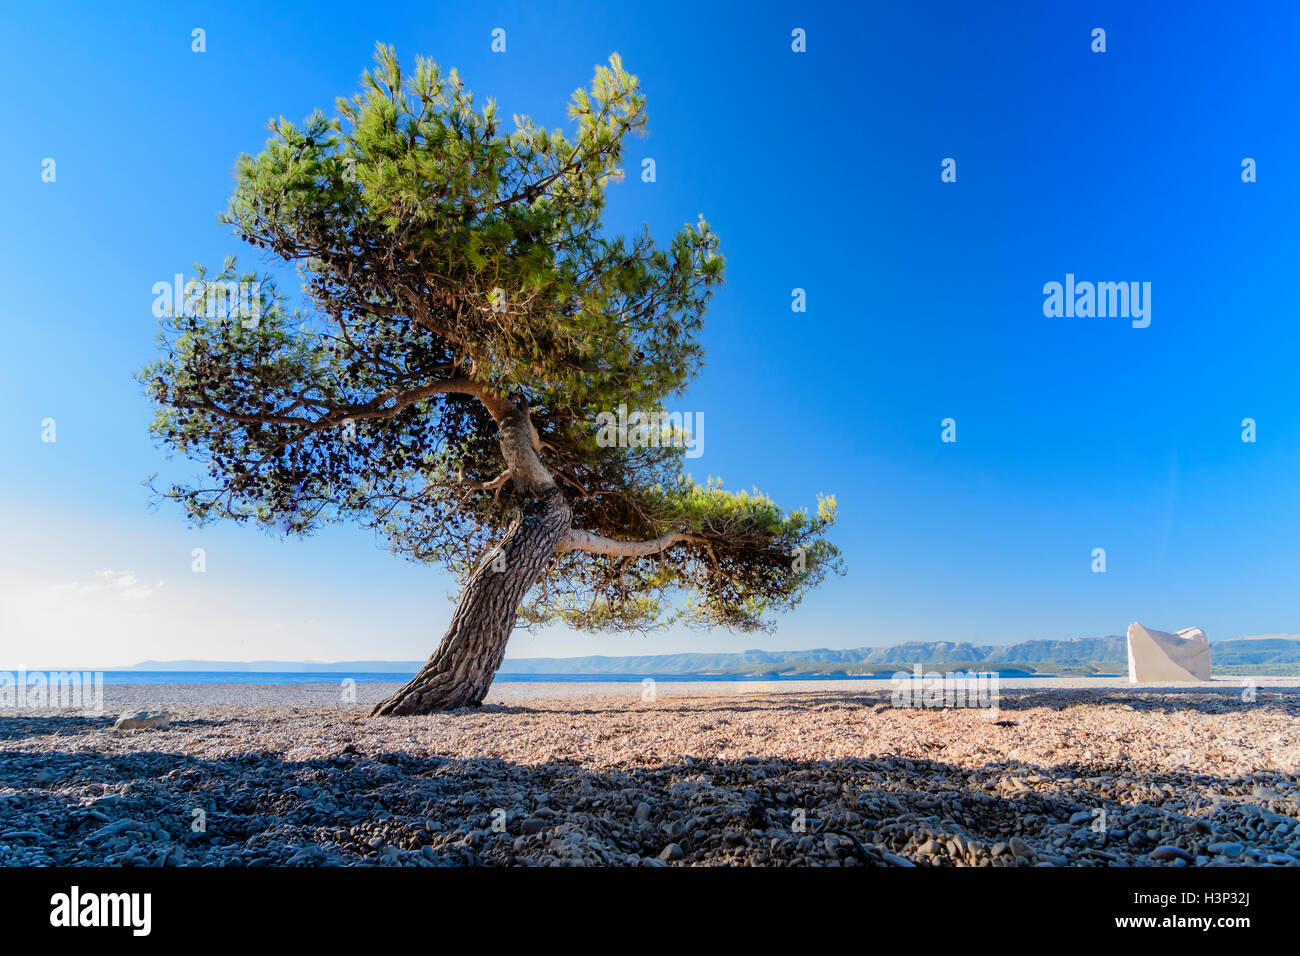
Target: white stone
1159, 655
143, 720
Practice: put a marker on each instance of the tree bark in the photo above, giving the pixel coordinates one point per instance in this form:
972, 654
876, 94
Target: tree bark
461, 670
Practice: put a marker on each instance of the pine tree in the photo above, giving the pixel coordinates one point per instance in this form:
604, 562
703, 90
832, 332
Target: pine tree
466, 323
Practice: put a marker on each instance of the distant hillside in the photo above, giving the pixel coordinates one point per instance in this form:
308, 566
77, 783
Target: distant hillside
1262, 637
1078, 656
1276, 655
1264, 655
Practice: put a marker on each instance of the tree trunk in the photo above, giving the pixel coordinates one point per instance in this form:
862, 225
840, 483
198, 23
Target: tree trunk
461, 669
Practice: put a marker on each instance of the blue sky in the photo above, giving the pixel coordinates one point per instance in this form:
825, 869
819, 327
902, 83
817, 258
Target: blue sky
819, 170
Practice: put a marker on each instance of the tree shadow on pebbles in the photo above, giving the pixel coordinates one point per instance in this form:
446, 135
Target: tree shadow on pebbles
23, 727
164, 807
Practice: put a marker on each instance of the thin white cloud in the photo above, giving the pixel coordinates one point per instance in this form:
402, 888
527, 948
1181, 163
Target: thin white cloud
122, 584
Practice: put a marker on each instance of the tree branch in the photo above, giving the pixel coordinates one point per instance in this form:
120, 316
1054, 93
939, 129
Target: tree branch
577, 540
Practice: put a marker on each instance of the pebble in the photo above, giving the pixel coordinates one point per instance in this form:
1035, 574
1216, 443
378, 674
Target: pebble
1227, 849
304, 855
675, 829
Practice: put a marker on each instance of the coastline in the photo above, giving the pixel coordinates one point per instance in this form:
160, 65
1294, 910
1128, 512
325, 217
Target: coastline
118, 697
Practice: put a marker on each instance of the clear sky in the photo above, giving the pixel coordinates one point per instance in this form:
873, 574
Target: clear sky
819, 170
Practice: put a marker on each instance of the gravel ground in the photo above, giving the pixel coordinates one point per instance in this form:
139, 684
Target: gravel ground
251, 775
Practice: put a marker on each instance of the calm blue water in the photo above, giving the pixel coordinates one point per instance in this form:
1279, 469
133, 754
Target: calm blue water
309, 677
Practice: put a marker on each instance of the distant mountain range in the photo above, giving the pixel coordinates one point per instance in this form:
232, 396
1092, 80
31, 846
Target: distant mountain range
1260, 655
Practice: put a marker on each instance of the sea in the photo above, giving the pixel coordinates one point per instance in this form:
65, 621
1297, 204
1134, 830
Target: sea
397, 677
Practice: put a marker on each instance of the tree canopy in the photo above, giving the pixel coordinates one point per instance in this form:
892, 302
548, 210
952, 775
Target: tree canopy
465, 321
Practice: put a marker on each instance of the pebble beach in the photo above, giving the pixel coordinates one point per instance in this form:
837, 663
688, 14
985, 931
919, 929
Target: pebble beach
818, 773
